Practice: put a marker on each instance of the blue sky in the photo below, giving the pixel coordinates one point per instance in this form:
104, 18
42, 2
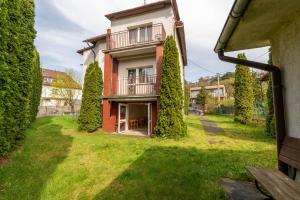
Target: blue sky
62, 25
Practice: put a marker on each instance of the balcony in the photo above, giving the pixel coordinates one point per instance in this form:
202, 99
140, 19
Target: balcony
137, 86
137, 36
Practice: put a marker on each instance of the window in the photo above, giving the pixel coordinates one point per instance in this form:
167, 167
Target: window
146, 75
141, 34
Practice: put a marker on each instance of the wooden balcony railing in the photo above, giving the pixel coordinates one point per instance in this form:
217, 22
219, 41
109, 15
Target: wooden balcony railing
141, 35
137, 86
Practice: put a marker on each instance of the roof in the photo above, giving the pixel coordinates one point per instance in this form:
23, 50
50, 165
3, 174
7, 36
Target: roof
145, 9
85, 49
52, 73
95, 39
48, 73
253, 23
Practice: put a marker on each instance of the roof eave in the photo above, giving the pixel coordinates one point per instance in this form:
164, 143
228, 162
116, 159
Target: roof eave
237, 11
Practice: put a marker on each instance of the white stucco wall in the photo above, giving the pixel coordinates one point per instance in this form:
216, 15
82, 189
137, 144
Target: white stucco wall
164, 16
286, 49
136, 63
88, 58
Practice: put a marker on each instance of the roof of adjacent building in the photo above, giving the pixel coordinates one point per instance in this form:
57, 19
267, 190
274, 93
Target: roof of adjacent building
254, 23
48, 73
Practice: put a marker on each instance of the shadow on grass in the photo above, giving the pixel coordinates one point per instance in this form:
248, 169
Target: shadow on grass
29, 169
179, 173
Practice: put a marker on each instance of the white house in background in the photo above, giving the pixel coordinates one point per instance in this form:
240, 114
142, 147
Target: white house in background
212, 90
48, 99
130, 56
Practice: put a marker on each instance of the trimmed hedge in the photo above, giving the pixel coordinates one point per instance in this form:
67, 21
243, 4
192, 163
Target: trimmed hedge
243, 94
186, 99
170, 120
17, 36
90, 118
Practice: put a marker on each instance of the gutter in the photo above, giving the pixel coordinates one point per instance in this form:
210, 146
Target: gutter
236, 13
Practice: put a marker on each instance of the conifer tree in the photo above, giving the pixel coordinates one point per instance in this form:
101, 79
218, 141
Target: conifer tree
170, 120
270, 119
243, 94
90, 118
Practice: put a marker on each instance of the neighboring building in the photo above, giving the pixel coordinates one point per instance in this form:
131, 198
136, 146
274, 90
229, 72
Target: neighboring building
130, 55
48, 99
260, 23
212, 91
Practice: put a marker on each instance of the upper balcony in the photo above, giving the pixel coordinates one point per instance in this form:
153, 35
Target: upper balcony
137, 36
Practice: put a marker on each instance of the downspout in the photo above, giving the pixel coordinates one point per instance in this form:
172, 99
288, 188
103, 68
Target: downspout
277, 98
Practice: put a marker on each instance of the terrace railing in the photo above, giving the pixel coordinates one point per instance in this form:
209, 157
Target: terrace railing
132, 37
137, 86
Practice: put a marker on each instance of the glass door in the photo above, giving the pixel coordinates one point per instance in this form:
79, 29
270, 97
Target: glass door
123, 118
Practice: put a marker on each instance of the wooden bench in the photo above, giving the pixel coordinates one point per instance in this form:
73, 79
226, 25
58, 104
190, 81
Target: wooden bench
278, 185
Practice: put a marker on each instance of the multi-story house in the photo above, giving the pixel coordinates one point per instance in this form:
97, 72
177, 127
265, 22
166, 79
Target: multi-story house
213, 91
49, 98
130, 55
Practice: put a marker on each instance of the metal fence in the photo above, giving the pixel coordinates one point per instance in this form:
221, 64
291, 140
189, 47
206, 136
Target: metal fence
57, 110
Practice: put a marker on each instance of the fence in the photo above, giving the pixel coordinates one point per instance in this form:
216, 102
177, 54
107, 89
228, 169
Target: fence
57, 110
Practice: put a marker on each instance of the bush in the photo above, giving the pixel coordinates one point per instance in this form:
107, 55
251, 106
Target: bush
243, 94
170, 120
90, 117
4, 147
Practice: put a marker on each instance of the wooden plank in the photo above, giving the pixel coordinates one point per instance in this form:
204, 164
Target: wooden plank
276, 183
292, 142
291, 153
289, 161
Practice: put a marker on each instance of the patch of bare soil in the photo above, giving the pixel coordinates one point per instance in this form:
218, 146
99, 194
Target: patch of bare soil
3, 161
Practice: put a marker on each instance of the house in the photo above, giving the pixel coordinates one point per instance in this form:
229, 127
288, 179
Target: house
261, 23
130, 56
214, 91
49, 100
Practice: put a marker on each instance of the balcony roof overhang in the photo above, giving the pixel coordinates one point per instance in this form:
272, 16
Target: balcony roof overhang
253, 23
142, 98
134, 50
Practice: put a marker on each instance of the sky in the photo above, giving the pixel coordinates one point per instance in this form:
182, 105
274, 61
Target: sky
62, 25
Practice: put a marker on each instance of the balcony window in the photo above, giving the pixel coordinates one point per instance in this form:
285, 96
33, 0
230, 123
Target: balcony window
146, 75
141, 34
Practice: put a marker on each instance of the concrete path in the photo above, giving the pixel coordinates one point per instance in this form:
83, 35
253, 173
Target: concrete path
210, 127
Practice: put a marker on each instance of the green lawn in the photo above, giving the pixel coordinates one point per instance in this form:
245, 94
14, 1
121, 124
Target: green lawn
58, 162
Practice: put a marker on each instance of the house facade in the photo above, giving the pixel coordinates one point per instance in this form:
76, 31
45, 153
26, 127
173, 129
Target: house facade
254, 24
214, 91
51, 101
130, 56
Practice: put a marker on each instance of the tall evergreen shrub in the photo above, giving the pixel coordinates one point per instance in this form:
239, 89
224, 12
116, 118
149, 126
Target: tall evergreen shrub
90, 118
270, 118
16, 63
243, 93
36, 90
170, 120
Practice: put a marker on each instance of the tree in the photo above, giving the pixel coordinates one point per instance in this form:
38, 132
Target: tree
270, 119
66, 88
170, 121
90, 118
243, 93
36, 90
186, 98
202, 98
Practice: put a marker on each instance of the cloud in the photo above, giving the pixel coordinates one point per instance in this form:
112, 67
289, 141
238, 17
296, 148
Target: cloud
63, 24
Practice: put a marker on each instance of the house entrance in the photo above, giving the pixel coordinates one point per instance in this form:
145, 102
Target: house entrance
135, 118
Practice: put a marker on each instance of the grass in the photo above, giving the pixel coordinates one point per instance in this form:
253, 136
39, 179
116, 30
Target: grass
58, 162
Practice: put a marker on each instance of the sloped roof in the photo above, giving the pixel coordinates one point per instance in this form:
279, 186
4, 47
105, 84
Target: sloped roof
48, 73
